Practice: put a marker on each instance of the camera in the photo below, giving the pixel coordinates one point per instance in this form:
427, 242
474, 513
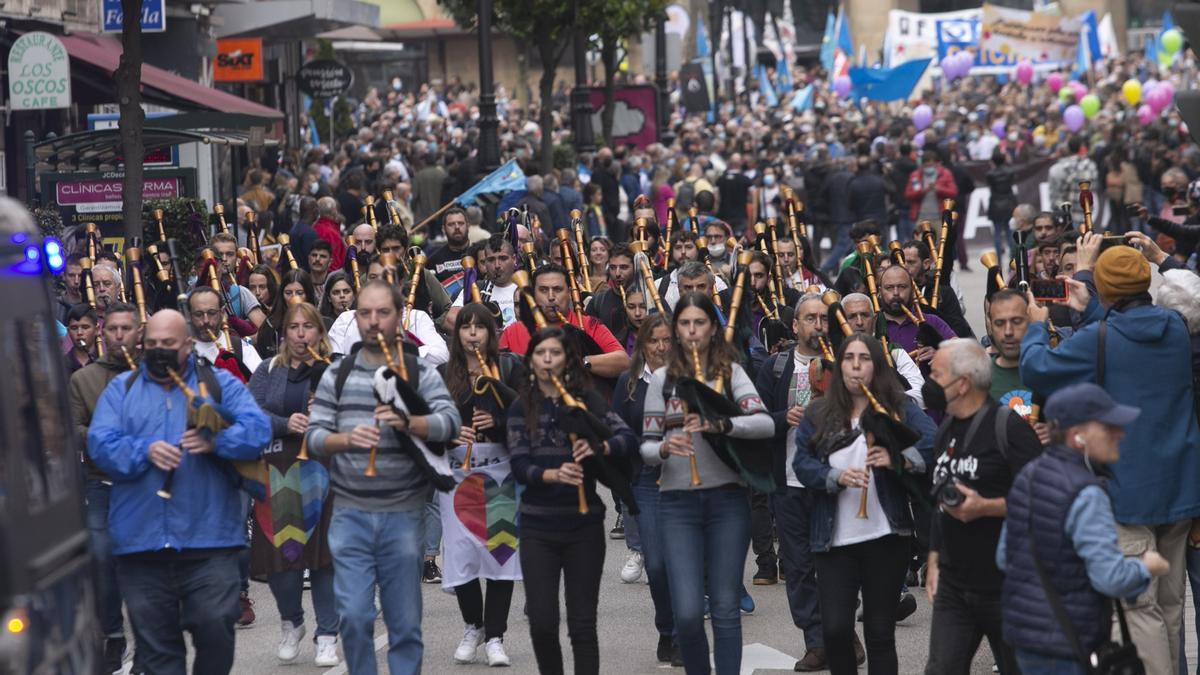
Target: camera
945, 489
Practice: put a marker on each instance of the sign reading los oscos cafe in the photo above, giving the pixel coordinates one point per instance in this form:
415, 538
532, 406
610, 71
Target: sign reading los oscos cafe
39, 73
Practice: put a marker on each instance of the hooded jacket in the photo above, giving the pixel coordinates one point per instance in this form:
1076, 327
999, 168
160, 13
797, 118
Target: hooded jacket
1148, 364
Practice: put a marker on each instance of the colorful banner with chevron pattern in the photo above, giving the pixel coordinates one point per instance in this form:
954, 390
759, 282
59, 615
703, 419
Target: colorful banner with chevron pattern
479, 519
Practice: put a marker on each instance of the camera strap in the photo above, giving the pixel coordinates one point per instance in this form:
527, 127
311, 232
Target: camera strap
940, 440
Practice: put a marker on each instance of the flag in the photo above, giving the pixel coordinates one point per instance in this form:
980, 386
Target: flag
843, 48
701, 39
764, 86
827, 43
505, 179
1108, 38
803, 99
887, 84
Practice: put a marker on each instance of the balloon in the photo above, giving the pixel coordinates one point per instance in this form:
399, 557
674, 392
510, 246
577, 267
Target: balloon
1171, 41
922, 115
1073, 117
841, 86
1055, 82
1079, 89
1145, 114
966, 61
1024, 72
919, 139
1160, 98
1090, 105
998, 128
1066, 95
1132, 90
948, 66
1168, 90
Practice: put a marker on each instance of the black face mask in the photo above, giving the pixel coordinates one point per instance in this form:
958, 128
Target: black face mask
1171, 193
934, 395
158, 361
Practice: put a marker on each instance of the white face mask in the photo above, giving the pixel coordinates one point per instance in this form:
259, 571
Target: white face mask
716, 250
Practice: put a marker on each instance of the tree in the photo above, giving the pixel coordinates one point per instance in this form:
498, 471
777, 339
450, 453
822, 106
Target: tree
549, 25
128, 78
612, 21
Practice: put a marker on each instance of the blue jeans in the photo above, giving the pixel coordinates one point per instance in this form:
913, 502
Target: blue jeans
633, 532
1032, 663
841, 246
108, 605
792, 509
168, 593
432, 522
288, 589
905, 225
378, 549
703, 531
1003, 242
649, 524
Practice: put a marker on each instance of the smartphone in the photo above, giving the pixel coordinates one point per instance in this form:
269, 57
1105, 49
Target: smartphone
1049, 290
1110, 240
1180, 210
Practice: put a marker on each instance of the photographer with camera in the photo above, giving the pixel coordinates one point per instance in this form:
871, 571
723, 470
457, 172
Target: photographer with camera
980, 447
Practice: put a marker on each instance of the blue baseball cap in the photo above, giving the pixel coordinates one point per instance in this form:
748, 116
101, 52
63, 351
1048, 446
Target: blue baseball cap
1087, 402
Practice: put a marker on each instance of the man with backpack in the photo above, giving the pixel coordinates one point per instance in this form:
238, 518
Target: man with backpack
980, 447
385, 458
176, 550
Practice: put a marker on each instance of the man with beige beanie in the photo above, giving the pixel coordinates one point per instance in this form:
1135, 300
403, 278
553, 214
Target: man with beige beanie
1141, 355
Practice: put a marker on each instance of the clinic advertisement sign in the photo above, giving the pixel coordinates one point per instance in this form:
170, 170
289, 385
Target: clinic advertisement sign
39, 73
154, 16
104, 195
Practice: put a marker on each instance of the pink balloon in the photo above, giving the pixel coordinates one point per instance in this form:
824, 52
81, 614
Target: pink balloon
1145, 114
922, 115
1073, 118
1078, 89
1159, 99
919, 139
1055, 82
1024, 72
841, 86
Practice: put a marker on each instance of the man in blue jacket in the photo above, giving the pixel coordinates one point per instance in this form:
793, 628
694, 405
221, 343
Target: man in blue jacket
1141, 355
177, 559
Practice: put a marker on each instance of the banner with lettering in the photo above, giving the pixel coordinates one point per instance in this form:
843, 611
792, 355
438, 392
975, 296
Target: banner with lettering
1042, 38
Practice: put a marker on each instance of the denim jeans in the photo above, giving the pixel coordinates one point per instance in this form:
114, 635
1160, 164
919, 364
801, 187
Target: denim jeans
168, 593
633, 533
288, 589
706, 530
1003, 242
1032, 663
378, 549
649, 522
841, 246
792, 509
108, 605
432, 522
905, 225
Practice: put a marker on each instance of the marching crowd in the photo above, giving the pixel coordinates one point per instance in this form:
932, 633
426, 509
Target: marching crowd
356, 382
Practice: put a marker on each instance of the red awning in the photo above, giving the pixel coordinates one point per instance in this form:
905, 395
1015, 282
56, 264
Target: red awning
105, 54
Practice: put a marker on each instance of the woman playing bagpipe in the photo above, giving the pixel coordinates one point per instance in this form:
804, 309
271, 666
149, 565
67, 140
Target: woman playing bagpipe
858, 449
338, 296
701, 409
562, 438
479, 516
291, 516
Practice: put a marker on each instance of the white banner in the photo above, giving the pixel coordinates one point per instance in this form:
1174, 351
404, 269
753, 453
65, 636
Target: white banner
914, 35
1034, 36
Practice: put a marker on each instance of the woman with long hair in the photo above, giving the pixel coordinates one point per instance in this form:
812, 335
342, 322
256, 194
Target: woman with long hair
557, 540
705, 524
480, 458
837, 461
644, 539
598, 251
295, 287
283, 542
263, 284
338, 296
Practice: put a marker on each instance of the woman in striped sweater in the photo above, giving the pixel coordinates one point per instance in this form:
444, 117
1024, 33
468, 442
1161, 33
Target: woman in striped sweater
557, 540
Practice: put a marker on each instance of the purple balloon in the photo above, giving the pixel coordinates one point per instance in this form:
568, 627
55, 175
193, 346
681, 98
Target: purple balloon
1024, 72
949, 67
922, 115
1073, 118
841, 86
966, 61
1145, 114
998, 128
919, 139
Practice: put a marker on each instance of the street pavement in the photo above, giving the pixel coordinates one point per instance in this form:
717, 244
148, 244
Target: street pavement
626, 629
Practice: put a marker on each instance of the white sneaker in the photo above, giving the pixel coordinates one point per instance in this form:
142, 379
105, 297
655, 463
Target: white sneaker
632, 571
496, 655
327, 656
289, 644
472, 638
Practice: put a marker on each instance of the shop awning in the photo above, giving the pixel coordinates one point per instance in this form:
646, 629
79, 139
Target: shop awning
159, 86
294, 19
89, 150
425, 28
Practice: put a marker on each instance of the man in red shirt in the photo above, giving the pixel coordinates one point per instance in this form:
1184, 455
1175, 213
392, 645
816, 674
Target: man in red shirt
553, 298
328, 228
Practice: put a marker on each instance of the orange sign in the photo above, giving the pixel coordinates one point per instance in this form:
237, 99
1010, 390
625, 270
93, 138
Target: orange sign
238, 60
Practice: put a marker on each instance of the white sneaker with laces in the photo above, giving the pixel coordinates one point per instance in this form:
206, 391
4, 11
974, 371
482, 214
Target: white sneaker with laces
472, 638
289, 644
327, 656
632, 571
496, 655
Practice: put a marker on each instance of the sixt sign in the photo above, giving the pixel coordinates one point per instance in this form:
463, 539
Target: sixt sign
154, 16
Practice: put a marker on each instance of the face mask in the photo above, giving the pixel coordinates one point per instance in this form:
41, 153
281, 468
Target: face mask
716, 250
313, 188
1170, 193
768, 180
158, 361
934, 395
1012, 137
974, 136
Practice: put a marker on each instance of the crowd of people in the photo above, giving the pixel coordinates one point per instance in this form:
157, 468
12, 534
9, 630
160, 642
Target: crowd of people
384, 391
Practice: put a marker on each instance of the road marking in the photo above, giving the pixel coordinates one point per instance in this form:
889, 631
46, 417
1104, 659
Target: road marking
759, 656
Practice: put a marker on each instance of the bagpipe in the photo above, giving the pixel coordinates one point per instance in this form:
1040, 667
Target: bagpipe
885, 428
489, 381
581, 423
204, 414
473, 294
87, 289
776, 325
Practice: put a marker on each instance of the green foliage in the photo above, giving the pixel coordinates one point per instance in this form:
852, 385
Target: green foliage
616, 19
564, 156
49, 221
184, 219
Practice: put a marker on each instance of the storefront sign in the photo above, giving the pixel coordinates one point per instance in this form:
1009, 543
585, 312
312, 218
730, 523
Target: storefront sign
154, 16
104, 195
324, 78
238, 60
39, 73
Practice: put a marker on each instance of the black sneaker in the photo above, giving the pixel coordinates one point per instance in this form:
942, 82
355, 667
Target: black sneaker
430, 573
665, 646
114, 654
676, 657
767, 575
908, 605
618, 531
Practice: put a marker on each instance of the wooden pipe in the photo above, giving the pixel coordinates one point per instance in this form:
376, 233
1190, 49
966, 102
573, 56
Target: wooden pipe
392, 214
896, 250
530, 253
864, 254
990, 261
570, 401
468, 263
418, 272
158, 220
219, 210
735, 301
252, 238
580, 242
133, 258
947, 216
830, 297
776, 267
670, 227
568, 263
90, 230
128, 359
647, 275
285, 244
369, 205
521, 279
826, 351
1085, 202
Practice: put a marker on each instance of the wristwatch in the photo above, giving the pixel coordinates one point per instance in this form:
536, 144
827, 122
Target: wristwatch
587, 364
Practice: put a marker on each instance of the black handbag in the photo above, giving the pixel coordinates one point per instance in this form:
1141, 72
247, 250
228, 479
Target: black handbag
1110, 658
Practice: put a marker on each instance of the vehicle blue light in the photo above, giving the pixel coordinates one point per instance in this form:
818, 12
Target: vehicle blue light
32, 253
19, 238
54, 256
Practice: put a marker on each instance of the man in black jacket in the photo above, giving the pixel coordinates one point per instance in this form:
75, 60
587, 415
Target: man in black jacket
919, 262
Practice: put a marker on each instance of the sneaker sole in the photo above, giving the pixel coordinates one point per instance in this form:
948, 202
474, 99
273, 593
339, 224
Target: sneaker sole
765, 582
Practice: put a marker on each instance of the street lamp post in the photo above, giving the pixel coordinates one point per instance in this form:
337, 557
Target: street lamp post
489, 141
581, 102
660, 80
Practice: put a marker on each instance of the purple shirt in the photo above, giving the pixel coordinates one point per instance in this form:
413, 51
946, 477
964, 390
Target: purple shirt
904, 333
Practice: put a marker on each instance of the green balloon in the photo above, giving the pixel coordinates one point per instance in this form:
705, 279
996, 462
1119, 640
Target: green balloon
1172, 41
1090, 105
1066, 95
